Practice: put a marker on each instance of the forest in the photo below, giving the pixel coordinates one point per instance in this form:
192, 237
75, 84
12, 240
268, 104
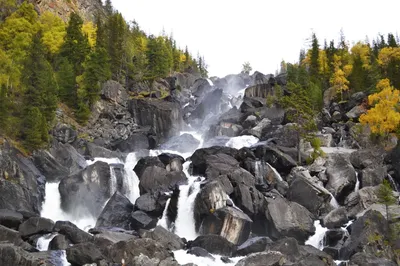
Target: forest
45, 63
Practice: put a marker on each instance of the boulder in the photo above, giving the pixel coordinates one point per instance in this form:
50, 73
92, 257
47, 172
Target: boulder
64, 133
92, 151
250, 122
368, 234
157, 179
372, 176
220, 164
228, 222
84, 253
136, 141
88, 190
165, 237
36, 225
214, 244
10, 219
365, 259
359, 201
286, 218
12, 236
301, 190
356, 112
336, 218
253, 245
116, 213
183, 143
114, 92
280, 161
72, 232
311, 256
12, 255
141, 220
258, 130
164, 117
282, 135
200, 252
211, 197
152, 203
173, 162
59, 242
334, 240
364, 158
341, 176
199, 157
145, 162
68, 156
130, 249
266, 258
51, 168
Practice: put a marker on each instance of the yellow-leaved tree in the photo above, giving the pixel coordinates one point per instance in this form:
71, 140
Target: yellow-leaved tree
53, 30
384, 116
89, 29
339, 78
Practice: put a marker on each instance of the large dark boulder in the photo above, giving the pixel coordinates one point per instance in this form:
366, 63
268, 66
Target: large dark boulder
11, 236
228, 222
286, 218
220, 164
199, 157
165, 237
136, 141
164, 117
64, 133
130, 249
145, 162
21, 183
114, 92
92, 151
372, 176
301, 190
116, 213
336, 218
51, 168
88, 190
59, 242
341, 176
68, 156
365, 259
183, 143
10, 219
266, 258
152, 203
200, 252
279, 160
369, 234
157, 179
84, 253
214, 244
72, 232
36, 225
254, 245
141, 220
12, 255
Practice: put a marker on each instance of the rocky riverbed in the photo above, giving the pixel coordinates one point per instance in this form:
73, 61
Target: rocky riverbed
206, 176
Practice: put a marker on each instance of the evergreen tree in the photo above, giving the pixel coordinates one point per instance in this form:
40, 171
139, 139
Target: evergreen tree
109, 8
392, 41
116, 28
35, 129
385, 196
76, 45
38, 81
159, 58
66, 83
314, 62
4, 105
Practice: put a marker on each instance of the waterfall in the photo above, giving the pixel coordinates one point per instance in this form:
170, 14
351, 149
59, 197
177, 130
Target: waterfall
242, 141
333, 201
210, 82
357, 187
259, 171
317, 240
184, 258
392, 183
43, 242
131, 180
164, 219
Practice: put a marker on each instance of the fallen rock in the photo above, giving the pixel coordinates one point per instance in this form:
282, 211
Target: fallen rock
336, 218
141, 220
199, 157
10, 219
372, 176
165, 237
214, 244
84, 253
157, 179
12, 255
200, 252
36, 225
253, 245
116, 213
152, 203
266, 258
72, 232
145, 162
365, 259
59, 242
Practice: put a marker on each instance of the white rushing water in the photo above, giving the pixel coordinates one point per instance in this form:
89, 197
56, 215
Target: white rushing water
183, 258
44, 241
357, 187
317, 240
131, 180
242, 141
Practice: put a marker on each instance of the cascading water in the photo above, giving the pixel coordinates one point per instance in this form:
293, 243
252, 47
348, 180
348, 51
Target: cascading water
242, 141
317, 240
183, 258
392, 183
131, 180
43, 242
357, 187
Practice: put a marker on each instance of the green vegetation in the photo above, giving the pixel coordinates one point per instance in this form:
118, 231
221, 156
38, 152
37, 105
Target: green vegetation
45, 63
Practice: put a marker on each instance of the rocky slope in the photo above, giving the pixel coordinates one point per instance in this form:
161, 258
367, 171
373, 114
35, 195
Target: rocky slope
252, 201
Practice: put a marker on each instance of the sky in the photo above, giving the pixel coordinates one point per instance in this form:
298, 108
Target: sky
229, 33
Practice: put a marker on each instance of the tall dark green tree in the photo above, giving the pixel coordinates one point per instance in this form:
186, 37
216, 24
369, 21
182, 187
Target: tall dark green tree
76, 45
4, 105
314, 62
116, 30
66, 83
392, 40
159, 57
35, 129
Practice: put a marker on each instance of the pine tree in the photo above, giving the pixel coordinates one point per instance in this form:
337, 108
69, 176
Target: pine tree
116, 31
35, 127
4, 105
392, 41
76, 45
38, 81
314, 62
66, 83
385, 196
109, 8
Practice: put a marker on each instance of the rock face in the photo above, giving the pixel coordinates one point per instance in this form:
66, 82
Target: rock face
88, 190
228, 222
21, 183
290, 219
116, 213
12, 255
36, 225
165, 118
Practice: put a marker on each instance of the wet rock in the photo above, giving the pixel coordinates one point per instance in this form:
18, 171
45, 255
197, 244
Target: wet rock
280, 161
368, 234
141, 220
165, 237
200, 252
136, 141
152, 203
334, 240
253, 245
12, 236
228, 222
199, 157
258, 130
250, 122
84, 253
157, 179
72, 232
214, 244
86, 191
220, 164
211, 197
10, 219
51, 168
341, 176
12, 255
183, 143
59, 242
116, 213
336, 218
36, 225
311, 256
365, 259
92, 150
372, 176
130, 249
266, 258
68, 156
289, 219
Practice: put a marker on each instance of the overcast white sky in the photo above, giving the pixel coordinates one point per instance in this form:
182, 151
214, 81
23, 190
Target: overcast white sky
263, 32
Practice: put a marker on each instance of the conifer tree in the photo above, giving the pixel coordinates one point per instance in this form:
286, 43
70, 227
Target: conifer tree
116, 29
4, 105
392, 41
66, 83
314, 62
76, 45
385, 196
35, 129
